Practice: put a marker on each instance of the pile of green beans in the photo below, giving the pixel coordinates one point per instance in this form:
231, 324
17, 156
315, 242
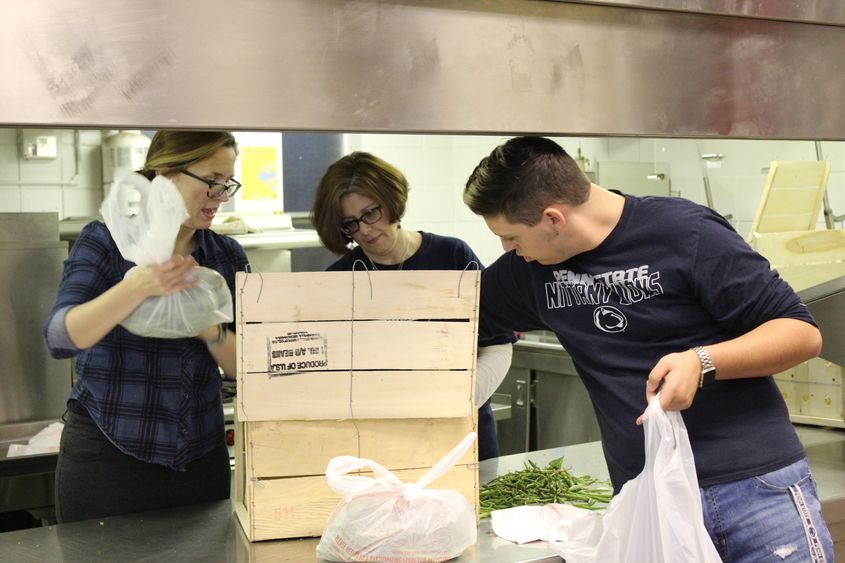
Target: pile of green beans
543, 485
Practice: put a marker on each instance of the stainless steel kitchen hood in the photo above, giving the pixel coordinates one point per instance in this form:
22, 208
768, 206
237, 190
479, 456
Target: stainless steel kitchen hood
817, 11
645, 68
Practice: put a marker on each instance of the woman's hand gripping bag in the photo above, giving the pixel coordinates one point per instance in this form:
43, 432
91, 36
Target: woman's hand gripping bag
384, 519
143, 218
657, 516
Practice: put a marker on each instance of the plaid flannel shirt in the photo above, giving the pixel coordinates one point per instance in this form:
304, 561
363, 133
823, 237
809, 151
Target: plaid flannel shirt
156, 399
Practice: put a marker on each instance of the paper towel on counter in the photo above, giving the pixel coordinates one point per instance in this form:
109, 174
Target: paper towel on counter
524, 524
45, 442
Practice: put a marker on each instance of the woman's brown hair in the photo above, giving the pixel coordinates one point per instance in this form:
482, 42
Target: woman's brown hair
361, 173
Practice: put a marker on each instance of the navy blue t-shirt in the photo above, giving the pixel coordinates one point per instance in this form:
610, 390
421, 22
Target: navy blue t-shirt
671, 275
438, 252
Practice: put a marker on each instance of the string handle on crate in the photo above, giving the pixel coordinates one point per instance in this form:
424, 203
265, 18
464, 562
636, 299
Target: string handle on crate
460, 279
352, 347
369, 279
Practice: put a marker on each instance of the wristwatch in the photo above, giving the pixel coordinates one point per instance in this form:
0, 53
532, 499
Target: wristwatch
708, 370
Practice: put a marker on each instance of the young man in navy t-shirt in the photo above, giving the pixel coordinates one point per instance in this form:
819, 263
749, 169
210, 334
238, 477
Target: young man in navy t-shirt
659, 293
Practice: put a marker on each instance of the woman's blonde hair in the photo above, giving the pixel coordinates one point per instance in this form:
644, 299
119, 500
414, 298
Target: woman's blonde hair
174, 150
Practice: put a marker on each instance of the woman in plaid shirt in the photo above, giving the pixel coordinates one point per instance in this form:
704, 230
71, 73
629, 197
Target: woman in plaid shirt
144, 424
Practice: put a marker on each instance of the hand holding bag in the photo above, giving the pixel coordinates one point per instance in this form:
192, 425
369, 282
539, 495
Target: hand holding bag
143, 218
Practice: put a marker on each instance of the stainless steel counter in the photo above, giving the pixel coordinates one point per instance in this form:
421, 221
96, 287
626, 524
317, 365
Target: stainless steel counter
211, 533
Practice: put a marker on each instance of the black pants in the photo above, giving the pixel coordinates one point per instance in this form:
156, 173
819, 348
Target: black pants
488, 443
94, 479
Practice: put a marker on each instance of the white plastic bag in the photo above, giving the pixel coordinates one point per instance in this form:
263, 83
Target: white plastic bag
657, 516
143, 218
384, 519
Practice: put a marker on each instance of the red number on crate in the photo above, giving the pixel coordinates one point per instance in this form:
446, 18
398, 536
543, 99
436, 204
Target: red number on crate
285, 513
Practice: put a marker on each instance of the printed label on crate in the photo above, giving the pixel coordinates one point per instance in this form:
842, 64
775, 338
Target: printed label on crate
296, 352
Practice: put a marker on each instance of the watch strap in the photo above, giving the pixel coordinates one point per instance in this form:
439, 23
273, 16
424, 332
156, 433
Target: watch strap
708, 370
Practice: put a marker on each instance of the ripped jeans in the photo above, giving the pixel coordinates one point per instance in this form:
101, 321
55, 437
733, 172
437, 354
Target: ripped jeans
772, 517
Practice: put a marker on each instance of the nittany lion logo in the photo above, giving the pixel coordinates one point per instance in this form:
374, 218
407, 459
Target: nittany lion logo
609, 319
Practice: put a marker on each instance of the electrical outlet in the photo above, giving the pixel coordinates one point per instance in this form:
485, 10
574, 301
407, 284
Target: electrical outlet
39, 143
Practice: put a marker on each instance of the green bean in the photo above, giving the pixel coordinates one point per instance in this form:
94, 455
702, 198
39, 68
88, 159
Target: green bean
535, 485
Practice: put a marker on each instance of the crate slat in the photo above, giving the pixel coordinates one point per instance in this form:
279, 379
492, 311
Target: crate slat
291, 448
377, 295
282, 348
359, 394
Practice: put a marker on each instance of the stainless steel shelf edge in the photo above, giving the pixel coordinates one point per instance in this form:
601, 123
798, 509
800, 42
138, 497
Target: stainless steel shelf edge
471, 66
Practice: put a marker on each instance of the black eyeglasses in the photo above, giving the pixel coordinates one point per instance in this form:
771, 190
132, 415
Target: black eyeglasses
350, 226
215, 189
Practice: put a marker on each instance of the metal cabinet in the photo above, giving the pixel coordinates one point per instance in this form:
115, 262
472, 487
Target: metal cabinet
35, 385
513, 433
550, 406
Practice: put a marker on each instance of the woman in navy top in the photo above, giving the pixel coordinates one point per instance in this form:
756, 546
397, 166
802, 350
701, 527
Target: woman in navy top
361, 199
145, 422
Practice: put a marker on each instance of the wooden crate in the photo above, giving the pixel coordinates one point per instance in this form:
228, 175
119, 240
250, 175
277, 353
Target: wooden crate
379, 365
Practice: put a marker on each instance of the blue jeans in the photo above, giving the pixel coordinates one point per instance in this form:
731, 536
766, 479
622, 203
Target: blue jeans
772, 517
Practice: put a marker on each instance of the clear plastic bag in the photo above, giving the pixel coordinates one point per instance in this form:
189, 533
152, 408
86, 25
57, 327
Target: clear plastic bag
657, 516
384, 519
186, 313
143, 218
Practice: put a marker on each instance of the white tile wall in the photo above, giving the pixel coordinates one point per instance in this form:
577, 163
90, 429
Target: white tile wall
625, 150
41, 171
41, 198
70, 184
9, 173
10, 199
437, 168
8, 136
79, 202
